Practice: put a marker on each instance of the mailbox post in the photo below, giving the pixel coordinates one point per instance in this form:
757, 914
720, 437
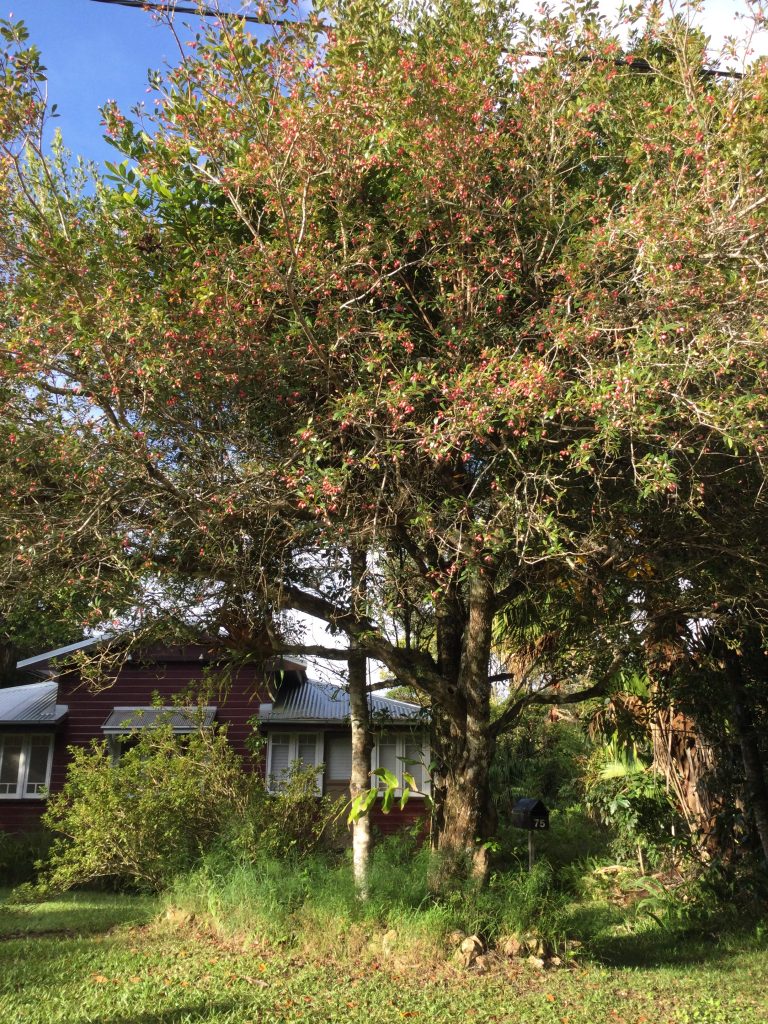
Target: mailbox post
530, 814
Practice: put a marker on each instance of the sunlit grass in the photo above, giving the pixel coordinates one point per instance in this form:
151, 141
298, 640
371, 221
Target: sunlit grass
110, 967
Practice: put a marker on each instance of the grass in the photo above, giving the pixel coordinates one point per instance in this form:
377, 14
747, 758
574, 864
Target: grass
97, 958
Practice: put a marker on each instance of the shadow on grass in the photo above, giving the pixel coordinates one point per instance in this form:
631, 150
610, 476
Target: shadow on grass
659, 947
74, 914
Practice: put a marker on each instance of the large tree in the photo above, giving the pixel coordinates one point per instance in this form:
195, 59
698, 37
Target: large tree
474, 292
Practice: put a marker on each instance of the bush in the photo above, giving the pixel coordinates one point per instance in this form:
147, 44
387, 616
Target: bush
142, 820
632, 800
293, 822
538, 758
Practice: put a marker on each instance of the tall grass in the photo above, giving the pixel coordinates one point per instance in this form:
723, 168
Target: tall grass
310, 904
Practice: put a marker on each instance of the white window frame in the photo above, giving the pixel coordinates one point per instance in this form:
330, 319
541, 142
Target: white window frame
22, 777
402, 740
293, 755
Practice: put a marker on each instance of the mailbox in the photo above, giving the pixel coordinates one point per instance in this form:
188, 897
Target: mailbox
530, 813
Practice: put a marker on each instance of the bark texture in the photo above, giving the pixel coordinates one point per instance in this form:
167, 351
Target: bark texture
362, 742
751, 756
466, 819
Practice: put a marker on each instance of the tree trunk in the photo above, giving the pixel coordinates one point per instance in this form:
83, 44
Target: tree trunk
362, 742
754, 771
467, 816
446, 733
468, 820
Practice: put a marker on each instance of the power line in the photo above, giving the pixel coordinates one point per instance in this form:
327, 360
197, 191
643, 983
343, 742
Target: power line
204, 12
637, 64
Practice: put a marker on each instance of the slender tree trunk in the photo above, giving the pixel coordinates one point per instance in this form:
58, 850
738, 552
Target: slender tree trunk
362, 741
468, 819
754, 770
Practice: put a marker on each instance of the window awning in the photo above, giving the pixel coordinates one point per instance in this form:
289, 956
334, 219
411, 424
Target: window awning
125, 720
32, 704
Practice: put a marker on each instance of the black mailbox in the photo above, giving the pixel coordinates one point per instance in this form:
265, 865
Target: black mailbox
530, 813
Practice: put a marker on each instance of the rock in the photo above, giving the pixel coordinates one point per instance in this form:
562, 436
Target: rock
513, 947
555, 961
472, 944
456, 937
470, 949
482, 964
535, 961
178, 918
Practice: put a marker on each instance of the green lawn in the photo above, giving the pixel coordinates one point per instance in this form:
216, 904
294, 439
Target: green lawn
97, 959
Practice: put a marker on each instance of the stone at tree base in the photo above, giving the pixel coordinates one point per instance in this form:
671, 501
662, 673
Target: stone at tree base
513, 947
472, 944
178, 917
471, 948
482, 964
535, 961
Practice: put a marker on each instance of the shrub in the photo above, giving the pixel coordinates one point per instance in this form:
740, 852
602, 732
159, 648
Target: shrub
142, 820
631, 799
295, 821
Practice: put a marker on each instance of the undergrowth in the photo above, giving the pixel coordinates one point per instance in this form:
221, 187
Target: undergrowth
311, 902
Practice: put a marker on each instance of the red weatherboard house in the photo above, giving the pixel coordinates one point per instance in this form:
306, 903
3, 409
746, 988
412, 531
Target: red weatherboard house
302, 720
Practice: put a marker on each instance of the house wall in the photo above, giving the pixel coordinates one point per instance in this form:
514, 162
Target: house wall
167, 673
394, 820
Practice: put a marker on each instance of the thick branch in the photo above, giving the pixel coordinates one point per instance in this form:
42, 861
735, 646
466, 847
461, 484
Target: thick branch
412, 668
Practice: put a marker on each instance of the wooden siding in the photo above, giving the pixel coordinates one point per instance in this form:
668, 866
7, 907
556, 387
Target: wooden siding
413, 812
169, 674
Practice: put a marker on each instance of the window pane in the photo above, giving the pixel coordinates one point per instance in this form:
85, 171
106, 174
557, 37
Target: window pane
307, 750
414, 756
10, 765
338, 757
280, 760
388, 756
37, 767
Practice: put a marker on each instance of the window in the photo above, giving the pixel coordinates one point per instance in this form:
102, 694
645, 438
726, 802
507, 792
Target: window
403, 752
25, 765
285, 748
338, 758
123, 724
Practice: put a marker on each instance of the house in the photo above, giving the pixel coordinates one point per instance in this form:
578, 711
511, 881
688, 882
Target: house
189, 686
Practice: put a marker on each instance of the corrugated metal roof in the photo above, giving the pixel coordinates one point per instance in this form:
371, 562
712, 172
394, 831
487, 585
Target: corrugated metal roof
32, 704
128, 719
312, 701
61, 652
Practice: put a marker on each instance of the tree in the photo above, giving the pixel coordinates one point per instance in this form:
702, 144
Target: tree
449, 284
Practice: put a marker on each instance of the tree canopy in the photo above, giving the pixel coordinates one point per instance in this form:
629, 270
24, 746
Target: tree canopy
449, 283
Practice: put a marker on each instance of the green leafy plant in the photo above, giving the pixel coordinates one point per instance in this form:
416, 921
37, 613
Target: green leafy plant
293, 822
630, 798
141, 820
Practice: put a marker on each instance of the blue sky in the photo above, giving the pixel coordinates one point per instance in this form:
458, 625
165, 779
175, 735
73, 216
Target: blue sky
95, 52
